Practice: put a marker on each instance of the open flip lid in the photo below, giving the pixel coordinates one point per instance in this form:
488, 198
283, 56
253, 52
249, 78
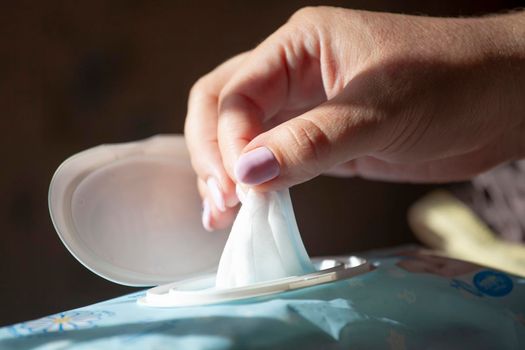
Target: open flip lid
131, 213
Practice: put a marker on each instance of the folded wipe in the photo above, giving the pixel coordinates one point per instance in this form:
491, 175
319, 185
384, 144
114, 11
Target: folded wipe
264, 243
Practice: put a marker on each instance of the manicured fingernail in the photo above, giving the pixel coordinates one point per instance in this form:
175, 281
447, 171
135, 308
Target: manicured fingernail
240, 193
234, 201
206, 215
257, 166
216, 194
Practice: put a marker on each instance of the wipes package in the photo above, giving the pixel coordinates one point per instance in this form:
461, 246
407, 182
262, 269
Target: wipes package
264, 243
409, 301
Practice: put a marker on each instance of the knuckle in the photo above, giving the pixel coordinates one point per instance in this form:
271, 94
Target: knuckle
309, 13
198, 87
317, 20
311, 145
305, 14
302, 13
317, 15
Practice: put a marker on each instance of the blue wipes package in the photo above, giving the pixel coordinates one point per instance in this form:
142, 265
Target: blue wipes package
408, 301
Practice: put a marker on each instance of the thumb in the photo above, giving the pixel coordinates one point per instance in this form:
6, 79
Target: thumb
308, 145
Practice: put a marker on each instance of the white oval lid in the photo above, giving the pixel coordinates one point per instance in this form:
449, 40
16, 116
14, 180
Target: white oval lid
131, 213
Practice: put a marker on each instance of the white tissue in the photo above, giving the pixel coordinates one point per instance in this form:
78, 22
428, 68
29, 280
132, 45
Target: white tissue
264, 243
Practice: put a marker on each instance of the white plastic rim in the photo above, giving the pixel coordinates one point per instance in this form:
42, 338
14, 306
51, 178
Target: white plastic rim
201, 291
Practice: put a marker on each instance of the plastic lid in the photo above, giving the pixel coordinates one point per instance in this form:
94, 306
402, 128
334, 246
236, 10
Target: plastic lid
131, 213
201, 290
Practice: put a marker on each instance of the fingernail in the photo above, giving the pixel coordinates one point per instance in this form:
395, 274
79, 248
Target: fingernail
234, 201
216, 194
257, 166
206, 216
240, 193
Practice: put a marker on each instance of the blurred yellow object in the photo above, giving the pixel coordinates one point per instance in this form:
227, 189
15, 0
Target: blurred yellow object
444, 223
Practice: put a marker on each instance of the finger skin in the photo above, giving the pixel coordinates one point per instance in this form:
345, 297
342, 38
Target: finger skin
219, 219
441, 111
319, 139
280, 79
449, 169
383, 96
201, 129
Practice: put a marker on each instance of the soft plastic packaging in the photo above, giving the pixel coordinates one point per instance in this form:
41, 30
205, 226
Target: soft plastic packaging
409, 301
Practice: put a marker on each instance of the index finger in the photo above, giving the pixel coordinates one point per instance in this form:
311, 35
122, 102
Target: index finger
255, 93
201, 128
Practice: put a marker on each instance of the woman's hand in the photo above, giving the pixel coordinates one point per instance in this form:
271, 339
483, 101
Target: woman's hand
382, 96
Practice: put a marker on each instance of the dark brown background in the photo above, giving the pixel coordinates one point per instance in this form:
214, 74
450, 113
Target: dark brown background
75, 74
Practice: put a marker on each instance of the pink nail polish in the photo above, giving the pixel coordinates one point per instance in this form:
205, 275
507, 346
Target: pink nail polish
206, 215
257, 166
216, 193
